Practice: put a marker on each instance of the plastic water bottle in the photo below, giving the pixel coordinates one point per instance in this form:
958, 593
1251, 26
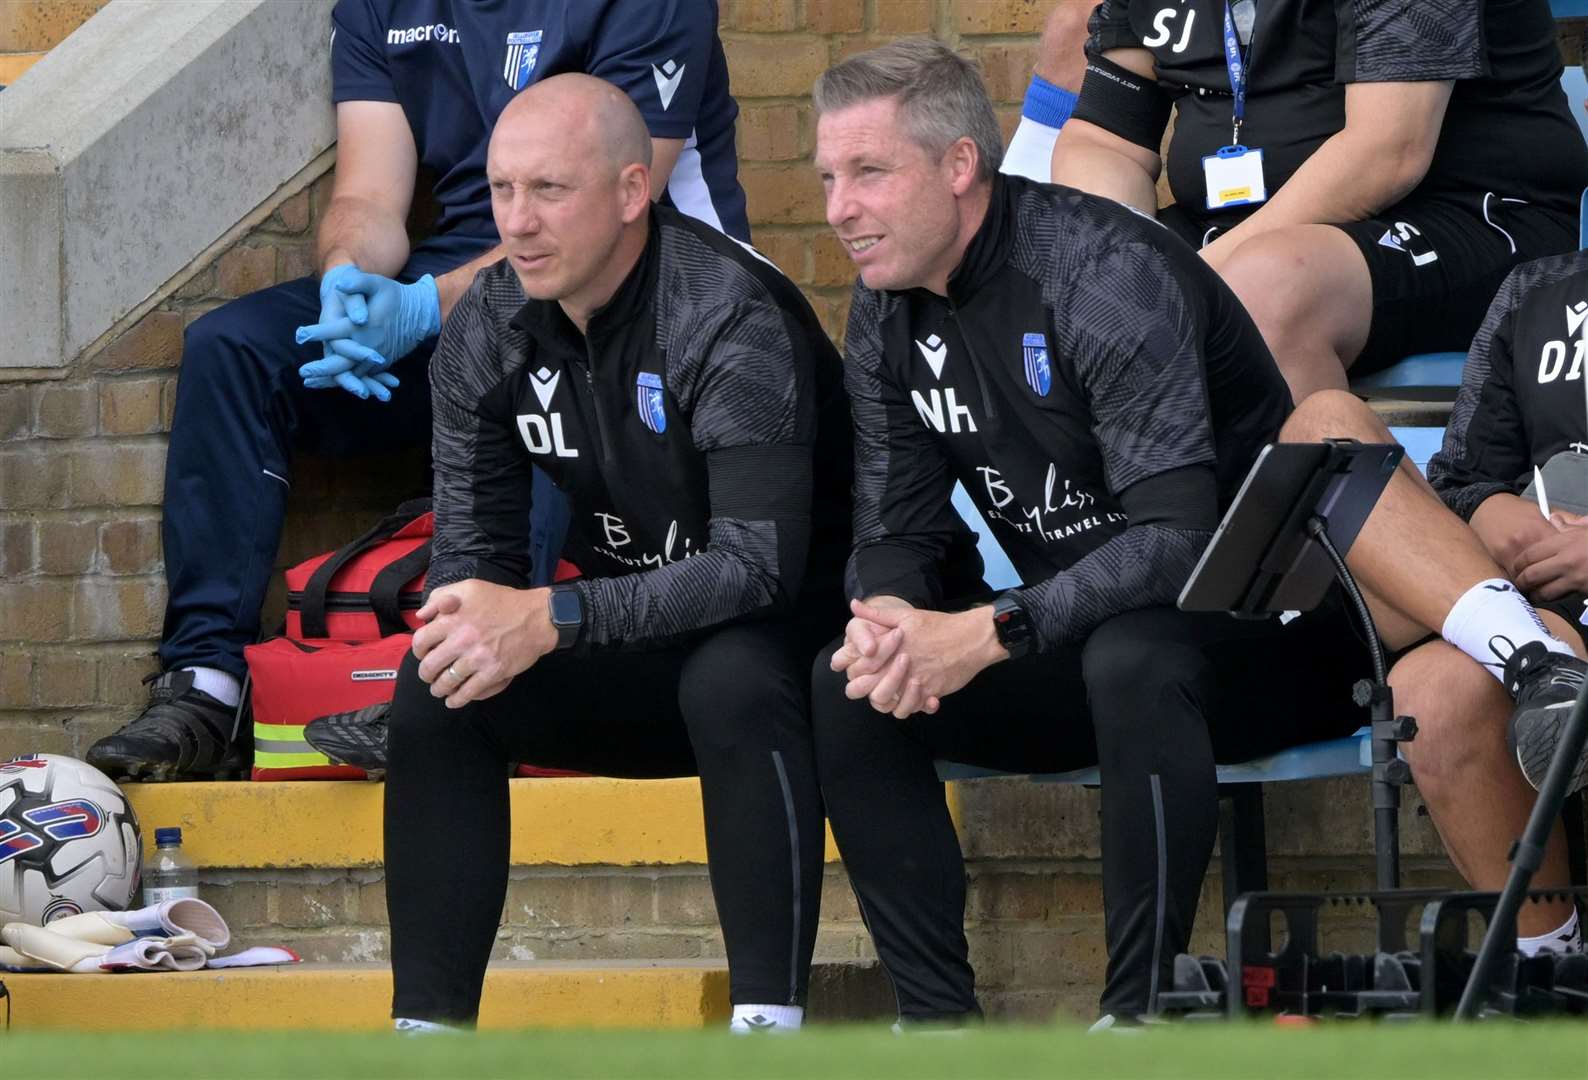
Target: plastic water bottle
169, 874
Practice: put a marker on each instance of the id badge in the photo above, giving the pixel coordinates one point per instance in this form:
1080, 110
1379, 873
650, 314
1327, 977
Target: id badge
1234, 177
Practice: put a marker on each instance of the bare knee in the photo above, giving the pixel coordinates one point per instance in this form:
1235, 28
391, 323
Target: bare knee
1307, 288
1272, 276
1334, 414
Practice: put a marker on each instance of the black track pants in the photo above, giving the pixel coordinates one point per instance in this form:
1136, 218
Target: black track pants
736, 703
1154, 698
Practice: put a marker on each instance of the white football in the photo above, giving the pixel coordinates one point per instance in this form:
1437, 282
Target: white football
68, 840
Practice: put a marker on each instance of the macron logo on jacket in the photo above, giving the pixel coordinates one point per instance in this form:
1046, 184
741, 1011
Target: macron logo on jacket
668, 76
934, 350
544, 383
1576, 314
429, 32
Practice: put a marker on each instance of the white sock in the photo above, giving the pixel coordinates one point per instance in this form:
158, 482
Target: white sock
1491, 621
1565, 938
1030, 152
406, 1026
220, 685
748, 1019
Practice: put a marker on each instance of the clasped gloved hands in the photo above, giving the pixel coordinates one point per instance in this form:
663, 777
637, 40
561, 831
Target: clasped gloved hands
367, 323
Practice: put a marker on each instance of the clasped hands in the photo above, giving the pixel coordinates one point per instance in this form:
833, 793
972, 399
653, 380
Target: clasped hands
906, 660
367, 323
478, 637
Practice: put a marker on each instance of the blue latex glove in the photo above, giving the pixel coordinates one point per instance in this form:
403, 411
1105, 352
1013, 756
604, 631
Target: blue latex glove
356, 372
397, 318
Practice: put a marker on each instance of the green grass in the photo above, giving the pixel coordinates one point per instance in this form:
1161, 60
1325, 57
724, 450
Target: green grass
1496, 1050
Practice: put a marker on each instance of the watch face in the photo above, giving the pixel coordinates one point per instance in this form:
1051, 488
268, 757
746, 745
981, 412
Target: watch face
566, 608
1009, 622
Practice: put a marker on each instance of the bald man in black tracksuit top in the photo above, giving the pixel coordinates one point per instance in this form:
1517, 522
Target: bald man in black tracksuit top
682, 394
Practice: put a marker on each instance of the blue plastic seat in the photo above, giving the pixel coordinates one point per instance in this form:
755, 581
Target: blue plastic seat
1420, 375
1349, 756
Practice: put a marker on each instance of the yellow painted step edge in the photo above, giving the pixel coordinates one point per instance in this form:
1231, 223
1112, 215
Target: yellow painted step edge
572, 821
334, 997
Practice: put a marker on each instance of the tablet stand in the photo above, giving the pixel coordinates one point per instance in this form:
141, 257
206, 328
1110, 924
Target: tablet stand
1281, 544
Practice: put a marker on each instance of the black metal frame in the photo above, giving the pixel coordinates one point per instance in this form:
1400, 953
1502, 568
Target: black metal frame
1395, 982
1527, 855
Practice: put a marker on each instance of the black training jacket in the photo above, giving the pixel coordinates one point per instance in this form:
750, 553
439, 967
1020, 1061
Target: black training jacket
1097, 389
699, 432
1521, 399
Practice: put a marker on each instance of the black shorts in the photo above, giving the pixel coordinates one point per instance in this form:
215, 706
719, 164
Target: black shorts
1436, 262
1569, 608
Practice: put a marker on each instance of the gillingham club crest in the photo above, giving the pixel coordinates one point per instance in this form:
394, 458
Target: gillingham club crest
1039, 371
523, 49
648, 399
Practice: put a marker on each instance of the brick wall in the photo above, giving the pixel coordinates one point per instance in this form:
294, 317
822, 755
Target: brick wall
776, 48
31, 28
81, 470
1033, 917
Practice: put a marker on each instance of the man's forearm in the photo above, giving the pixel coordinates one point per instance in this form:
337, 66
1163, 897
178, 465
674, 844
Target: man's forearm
1346, 179
1508, 524
1080, 164
455, 282
358, 231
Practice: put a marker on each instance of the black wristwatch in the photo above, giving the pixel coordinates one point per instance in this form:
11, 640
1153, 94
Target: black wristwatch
567, 614
1012, 625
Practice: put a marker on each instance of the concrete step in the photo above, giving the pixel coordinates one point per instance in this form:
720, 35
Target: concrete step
357, 997
563, 821
602, 869
12, 65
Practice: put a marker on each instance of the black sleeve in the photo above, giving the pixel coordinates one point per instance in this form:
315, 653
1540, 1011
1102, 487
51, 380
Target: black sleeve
1137, 344
1402, 41
1172, 517
745, 384
1118, 100
1109, 28
905, 525
1135, 331
1486, 443
482, 477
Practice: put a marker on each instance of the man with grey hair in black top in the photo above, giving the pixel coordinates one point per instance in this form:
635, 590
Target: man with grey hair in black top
682, 394
1101, 394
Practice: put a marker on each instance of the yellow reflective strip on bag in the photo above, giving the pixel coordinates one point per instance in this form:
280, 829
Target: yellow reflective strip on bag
264, 759
279, 732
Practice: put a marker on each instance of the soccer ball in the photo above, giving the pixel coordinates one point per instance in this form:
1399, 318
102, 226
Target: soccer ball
68, 840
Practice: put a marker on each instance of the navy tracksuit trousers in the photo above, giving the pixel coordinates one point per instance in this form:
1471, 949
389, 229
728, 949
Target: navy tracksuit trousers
241, 410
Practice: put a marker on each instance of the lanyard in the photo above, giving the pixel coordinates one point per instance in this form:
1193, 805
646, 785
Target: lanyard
1239, 70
